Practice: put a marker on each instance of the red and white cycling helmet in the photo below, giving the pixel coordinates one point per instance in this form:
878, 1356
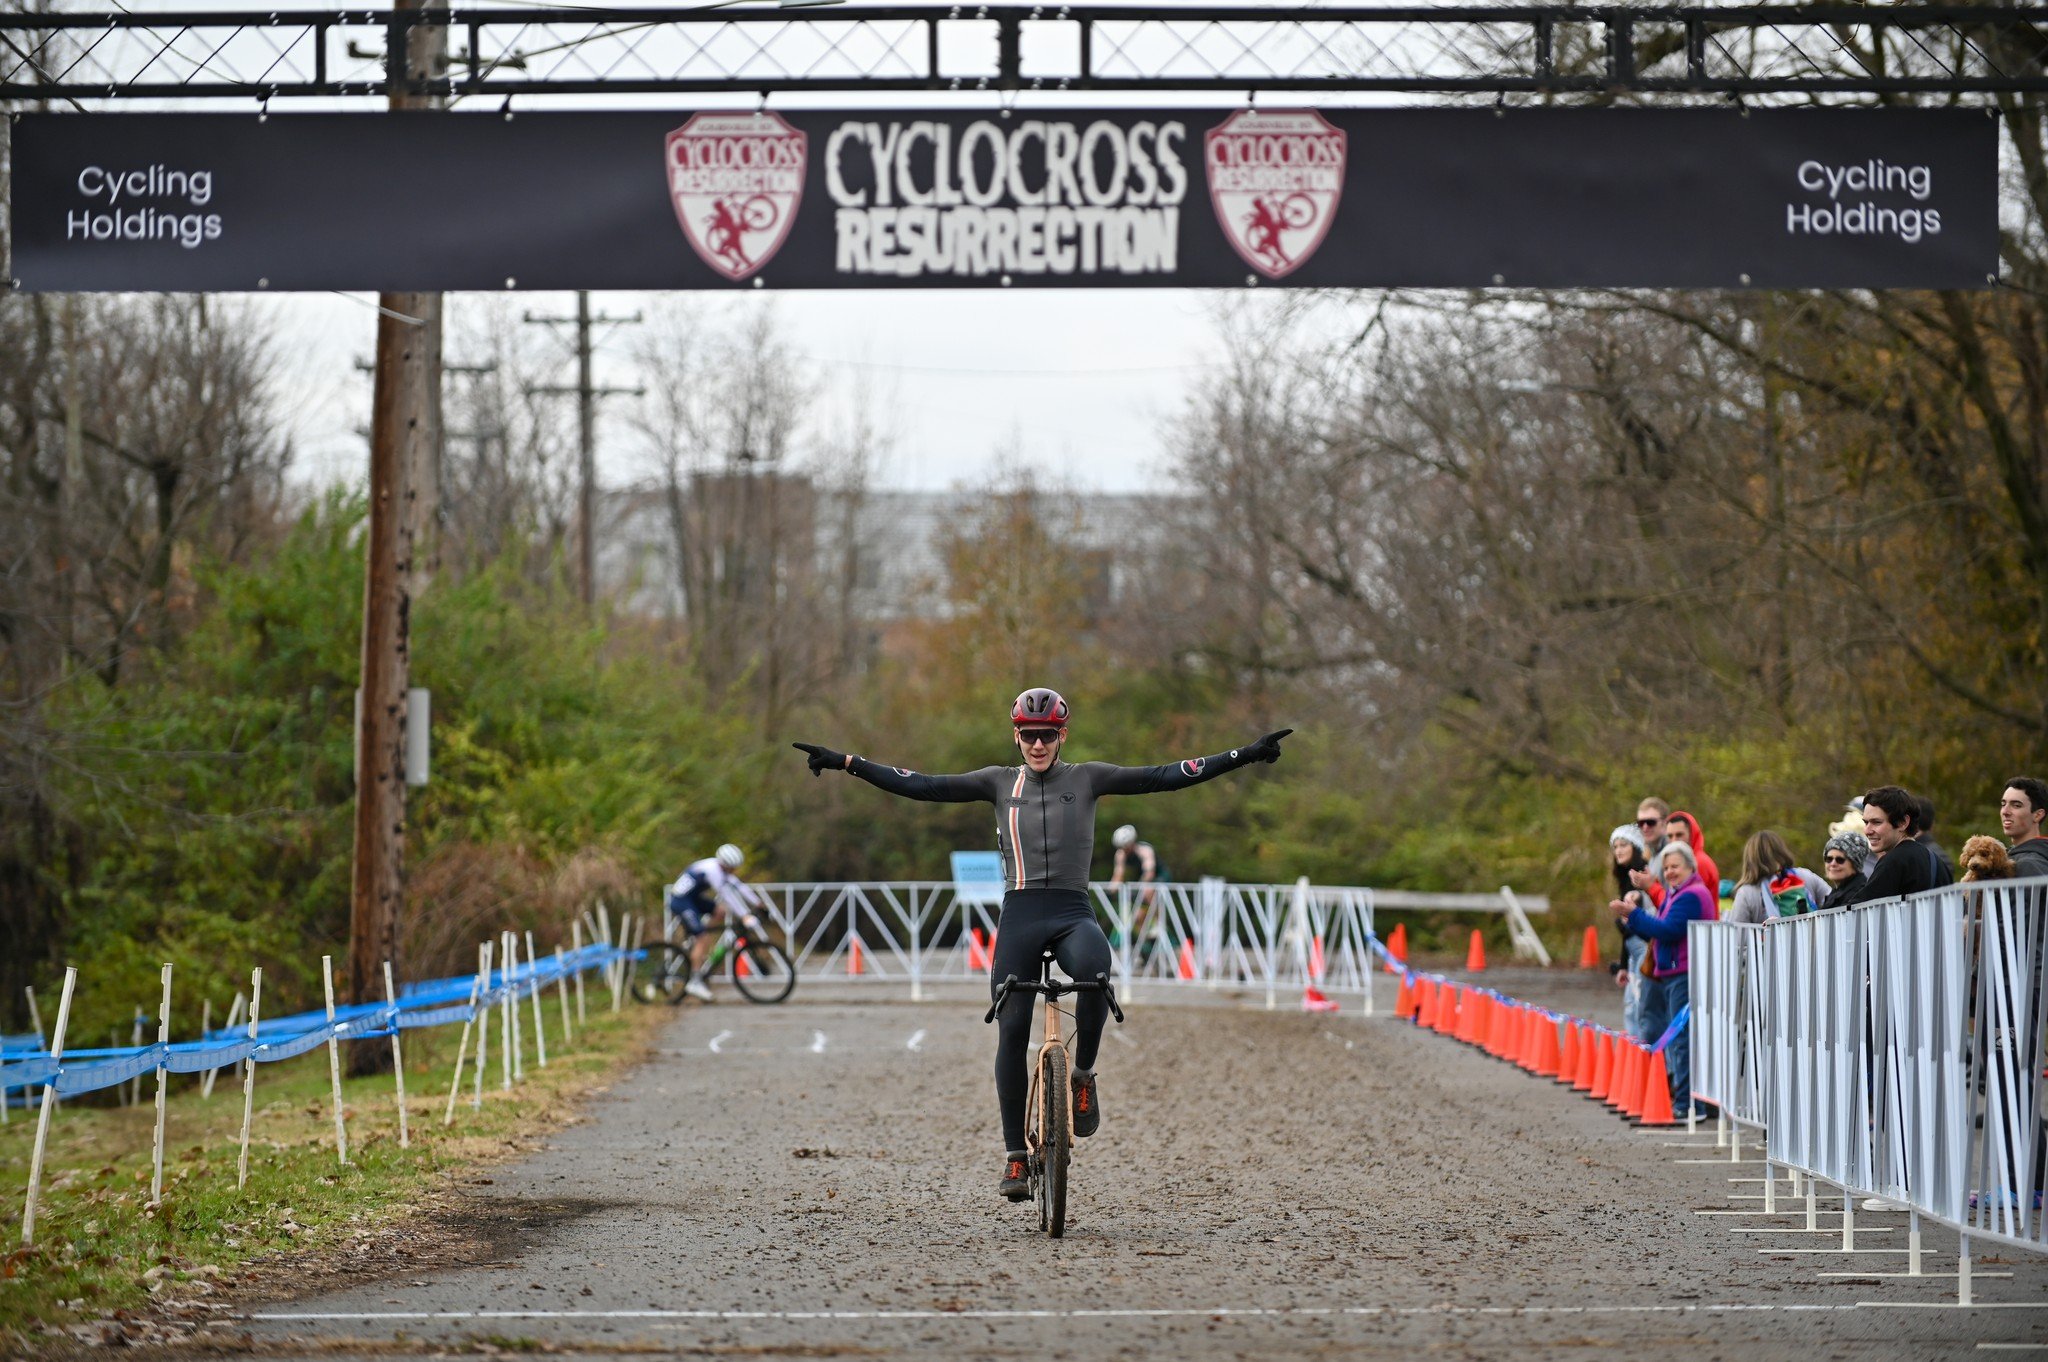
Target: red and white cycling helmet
1039, 707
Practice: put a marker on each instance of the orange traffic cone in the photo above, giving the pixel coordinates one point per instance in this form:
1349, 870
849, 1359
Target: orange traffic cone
1589, 953
853, 961
1475, 954
1187, 959
1655, 1107
1632, 1090
1397, 945
977, 954
1404, 999
740, 968
1449, 1005
1530, 1051
1425, 1004
1313, 1000
1568, 1054
1315, 957
1549, 1060
1589, 1059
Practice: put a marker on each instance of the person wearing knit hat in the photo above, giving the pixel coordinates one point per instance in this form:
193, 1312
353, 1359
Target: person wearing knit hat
1845, 861
1629, 853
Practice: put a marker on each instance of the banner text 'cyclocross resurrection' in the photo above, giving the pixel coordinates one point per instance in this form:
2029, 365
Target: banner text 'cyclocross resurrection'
1331, 198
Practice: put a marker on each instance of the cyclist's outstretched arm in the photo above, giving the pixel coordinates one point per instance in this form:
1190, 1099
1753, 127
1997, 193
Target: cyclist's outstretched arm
965, 788
1121, 780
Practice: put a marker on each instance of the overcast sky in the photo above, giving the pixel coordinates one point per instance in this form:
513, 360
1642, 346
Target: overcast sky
1075, 383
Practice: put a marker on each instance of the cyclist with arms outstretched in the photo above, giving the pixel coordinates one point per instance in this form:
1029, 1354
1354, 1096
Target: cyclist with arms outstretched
1045, 831
696, 900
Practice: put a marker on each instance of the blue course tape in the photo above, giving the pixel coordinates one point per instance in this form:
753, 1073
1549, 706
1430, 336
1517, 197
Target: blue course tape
431, 1002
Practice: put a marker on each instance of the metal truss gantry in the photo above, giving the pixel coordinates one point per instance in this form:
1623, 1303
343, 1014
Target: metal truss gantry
1833, 52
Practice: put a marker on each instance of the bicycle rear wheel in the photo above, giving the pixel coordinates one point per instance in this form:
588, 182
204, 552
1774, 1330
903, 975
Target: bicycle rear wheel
762, 971
1056, 1143
659, 976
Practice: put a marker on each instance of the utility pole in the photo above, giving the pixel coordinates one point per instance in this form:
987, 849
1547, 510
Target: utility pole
403, 413
586, 393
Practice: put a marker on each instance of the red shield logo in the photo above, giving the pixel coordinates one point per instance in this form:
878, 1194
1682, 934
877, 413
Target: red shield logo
735, 180
1275, 177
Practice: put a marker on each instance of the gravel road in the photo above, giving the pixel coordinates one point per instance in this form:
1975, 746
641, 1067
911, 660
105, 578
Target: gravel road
817, 1179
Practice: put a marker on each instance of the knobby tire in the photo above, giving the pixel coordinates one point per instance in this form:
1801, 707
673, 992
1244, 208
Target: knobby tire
770, 976
660, 977
1056, 1143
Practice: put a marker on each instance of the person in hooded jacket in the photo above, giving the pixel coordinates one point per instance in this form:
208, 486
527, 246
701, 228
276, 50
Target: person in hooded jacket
1683, 825
1625, 843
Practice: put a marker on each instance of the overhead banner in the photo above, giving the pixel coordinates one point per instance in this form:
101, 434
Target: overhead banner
1201, 198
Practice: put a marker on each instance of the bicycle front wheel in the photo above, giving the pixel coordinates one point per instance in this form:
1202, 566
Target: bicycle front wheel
659, 976
1056, 1143
762, 971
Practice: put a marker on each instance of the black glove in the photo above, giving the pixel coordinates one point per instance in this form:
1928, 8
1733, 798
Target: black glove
1265, 749
821, 757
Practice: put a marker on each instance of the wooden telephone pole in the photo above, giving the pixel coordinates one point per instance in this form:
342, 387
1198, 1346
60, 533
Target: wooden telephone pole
586, 392
404, 413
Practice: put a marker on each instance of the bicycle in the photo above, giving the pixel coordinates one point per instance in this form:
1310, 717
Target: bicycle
1049, 1116
760, 967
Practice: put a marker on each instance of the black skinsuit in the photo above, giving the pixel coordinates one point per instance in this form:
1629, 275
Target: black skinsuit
1045, 829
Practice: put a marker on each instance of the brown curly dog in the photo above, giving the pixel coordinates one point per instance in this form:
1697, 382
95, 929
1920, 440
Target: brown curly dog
1984, 858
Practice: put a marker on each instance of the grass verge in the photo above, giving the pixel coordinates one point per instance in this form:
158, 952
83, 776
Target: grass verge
103, 1251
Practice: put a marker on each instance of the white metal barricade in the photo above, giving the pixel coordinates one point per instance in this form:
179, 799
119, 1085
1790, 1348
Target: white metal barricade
1898, 1049
1281, 938
1728, 1006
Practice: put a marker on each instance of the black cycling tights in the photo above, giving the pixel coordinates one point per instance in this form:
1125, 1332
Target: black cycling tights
1032, 920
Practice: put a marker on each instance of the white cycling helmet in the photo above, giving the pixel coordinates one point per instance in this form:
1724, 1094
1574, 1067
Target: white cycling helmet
1123, 836
731, 857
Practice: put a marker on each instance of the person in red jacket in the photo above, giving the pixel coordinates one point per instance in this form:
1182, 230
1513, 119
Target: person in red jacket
1682, 826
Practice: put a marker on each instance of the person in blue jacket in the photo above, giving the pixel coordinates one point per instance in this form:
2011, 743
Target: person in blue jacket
1686, 899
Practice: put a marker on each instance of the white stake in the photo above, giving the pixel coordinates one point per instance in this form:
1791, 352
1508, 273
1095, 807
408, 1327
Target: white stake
397, 1059
604, 934
249, 1076
483, 1027
615, 967
205, 1026
455, 1088
35, 1018
334, 1063
540, 1032
135, 1043
518, 1023
576, 938
562, 989
234, 1015
163, 1037
35, 1163
506, 1011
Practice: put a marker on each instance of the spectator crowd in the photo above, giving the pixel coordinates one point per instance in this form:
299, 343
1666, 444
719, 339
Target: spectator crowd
1883, 847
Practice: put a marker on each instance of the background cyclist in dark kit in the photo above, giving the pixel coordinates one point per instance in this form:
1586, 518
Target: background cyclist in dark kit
1045, 830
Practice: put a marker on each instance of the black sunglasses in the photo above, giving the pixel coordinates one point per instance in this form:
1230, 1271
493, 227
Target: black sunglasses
1648, 822
1044, 735
1835, 860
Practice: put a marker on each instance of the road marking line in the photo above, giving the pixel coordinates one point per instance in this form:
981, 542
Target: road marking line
817, 1042
916, 1042
719, 1040
1171, 1312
